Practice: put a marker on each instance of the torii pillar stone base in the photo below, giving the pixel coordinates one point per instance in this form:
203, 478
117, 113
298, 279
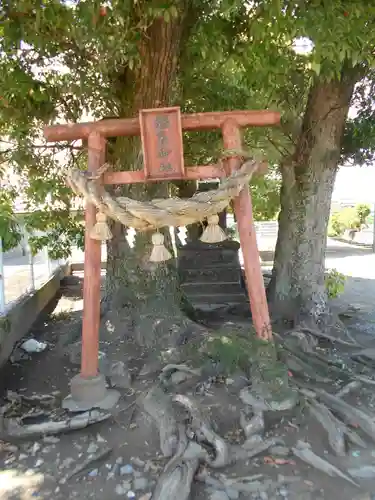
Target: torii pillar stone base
87, 393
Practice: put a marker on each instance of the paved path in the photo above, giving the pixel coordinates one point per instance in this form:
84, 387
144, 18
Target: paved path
351, 260
355, 262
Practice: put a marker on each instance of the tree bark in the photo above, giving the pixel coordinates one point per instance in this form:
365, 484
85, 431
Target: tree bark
143, 297
297, 289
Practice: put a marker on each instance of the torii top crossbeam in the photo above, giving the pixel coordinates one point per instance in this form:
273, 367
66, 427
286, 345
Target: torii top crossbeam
131, 126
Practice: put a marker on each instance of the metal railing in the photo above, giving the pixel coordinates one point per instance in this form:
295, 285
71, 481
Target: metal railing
21, 273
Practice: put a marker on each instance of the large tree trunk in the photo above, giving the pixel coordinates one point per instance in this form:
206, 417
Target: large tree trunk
297, 290
143, 298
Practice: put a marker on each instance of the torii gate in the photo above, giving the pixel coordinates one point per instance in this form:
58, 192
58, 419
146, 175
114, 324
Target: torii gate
88, 388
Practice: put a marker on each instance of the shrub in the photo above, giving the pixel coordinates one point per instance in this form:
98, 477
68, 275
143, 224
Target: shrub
10, 233
335, 283
335, 226
363, 211
347, 218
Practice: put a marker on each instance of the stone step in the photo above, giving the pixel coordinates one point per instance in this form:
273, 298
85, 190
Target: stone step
206, 306
199, 246
204, 259
212, 288
210, 274
218, 298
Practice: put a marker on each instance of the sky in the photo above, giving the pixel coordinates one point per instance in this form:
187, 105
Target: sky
355, 184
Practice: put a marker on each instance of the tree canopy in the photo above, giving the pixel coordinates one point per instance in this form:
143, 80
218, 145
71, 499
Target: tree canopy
61, 60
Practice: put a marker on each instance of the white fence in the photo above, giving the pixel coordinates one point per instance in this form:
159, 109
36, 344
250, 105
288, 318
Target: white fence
21, 273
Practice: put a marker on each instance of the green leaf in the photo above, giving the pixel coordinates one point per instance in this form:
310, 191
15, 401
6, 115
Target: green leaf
167, 16
315, 66
174, 11
236, 56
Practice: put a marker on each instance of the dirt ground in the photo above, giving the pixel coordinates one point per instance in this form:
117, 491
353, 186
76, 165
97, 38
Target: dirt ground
42, 468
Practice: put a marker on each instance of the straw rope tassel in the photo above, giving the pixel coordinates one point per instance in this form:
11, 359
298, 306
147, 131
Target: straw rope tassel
159, 252
213, 232
100, 230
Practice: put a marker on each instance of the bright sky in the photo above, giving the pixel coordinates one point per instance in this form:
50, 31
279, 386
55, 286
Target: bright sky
355, 184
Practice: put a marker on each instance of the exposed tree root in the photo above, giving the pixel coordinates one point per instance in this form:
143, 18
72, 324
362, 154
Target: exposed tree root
204, 432
213, 450
333, 427
307, 455
254, 425
338, 333
337, 431
349, 414
164, 330
191, 439
175, 481
158, 405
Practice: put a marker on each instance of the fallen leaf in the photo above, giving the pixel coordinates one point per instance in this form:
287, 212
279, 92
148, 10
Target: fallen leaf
278, 461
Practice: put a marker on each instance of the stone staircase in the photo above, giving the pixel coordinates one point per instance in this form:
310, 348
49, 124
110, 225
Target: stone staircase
211, 275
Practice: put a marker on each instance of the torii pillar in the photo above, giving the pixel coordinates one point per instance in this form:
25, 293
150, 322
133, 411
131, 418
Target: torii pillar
161, 132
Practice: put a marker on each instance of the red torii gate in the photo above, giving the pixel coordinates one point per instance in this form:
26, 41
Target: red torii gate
88, 388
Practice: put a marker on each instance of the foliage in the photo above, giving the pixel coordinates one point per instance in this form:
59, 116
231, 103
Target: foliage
10, 232
231, 232
234, 349
359, 140
61, 231
348, 218
60, 60
335, 283
334, 226
265, 194
232, 352
363, 211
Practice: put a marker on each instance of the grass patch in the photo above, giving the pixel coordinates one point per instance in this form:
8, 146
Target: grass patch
61, 316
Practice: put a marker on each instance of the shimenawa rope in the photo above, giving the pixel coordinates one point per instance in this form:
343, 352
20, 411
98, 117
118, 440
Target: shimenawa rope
158, 213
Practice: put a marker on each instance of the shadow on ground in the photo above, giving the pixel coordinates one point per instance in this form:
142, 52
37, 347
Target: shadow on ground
129, 435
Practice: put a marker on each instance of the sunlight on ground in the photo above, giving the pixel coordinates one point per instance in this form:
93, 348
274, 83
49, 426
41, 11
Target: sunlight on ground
356, 266
360, 263
19, 485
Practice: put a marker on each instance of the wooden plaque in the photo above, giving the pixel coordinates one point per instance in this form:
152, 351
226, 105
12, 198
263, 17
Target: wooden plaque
162, 146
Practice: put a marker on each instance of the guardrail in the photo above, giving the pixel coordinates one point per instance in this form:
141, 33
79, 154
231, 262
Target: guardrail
21, 272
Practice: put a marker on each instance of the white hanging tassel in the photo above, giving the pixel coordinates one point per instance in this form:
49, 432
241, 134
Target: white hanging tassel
100, 230
159, 252
213, 232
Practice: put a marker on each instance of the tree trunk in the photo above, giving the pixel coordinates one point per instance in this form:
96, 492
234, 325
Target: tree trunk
297, 291
143, 298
